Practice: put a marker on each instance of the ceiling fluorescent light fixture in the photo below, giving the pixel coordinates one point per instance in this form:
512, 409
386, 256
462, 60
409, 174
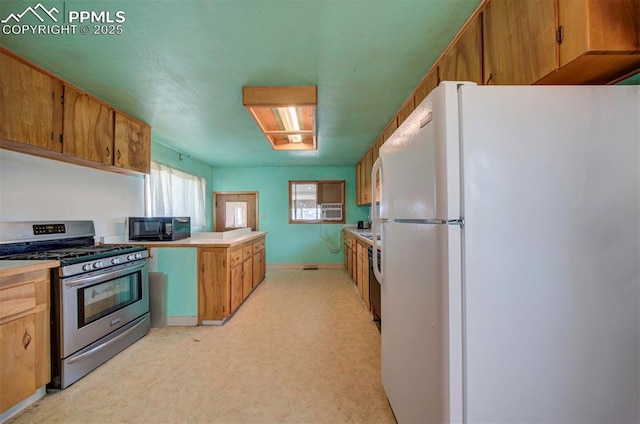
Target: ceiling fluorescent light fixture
285, 115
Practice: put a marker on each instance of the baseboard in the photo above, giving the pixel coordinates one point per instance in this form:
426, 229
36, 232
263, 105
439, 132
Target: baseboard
215, 322
301, 266
178, 321
16, 409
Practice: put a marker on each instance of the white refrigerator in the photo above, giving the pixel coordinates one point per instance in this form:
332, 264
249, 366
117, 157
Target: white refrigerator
510, 223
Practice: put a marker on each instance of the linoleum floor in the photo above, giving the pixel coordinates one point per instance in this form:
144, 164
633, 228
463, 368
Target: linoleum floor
301, 349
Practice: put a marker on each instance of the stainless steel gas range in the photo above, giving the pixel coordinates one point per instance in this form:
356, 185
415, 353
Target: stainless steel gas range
99, 294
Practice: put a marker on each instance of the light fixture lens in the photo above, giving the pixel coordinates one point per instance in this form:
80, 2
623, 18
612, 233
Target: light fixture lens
289, 118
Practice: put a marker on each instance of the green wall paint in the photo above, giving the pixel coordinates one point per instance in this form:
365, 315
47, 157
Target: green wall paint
181, 266
292, 243
633, 80
168, 156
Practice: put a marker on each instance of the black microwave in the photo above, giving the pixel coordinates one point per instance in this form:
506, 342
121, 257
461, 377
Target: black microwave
159, 228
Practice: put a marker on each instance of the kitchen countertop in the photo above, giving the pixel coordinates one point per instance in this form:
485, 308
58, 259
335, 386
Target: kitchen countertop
9, 268
203, 240
360, 234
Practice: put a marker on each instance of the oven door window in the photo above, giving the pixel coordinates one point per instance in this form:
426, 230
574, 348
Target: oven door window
99, 300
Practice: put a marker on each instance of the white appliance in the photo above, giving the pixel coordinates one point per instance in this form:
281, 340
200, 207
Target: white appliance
331, 211
510, 220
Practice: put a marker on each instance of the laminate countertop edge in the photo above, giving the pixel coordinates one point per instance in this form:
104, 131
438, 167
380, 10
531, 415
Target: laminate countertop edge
202, 241
359, 234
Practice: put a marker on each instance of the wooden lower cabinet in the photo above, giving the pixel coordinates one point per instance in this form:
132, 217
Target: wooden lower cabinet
259, 262
24, 336
226, 277
363, 272
247, 271
356, 262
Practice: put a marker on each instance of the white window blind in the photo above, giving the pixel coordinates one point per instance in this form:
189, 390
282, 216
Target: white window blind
172, 192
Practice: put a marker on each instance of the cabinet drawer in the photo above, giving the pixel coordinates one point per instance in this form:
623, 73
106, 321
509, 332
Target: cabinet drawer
17, 299
235, 258
247, 252
258, 246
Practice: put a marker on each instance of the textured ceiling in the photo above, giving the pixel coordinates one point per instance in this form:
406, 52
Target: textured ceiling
180, 65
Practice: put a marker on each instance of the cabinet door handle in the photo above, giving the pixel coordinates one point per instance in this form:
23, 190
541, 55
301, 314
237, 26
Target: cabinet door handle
26, 339
118, 154
108, 152
489, 79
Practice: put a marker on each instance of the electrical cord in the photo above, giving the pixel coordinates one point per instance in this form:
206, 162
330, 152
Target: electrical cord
328, 242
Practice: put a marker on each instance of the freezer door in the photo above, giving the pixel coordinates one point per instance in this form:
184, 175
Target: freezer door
551, 245
420, 161
415, 299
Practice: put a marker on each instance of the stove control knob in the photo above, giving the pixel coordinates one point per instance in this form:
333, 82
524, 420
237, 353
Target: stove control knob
115, 261
86, 267
130, 257
97, 265
138, 255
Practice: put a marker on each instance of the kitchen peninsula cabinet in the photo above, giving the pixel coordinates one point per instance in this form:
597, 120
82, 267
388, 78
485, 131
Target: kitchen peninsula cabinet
247, 271
236, 281
24, 330
226, 277
30, 108
44, 116
259, 262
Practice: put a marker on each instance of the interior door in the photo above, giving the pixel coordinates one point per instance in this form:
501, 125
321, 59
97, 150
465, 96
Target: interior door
233, 210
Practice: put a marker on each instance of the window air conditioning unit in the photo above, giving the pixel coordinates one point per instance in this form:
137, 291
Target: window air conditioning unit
331, 211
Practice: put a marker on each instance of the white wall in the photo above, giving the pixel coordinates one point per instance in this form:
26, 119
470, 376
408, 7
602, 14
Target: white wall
33, 188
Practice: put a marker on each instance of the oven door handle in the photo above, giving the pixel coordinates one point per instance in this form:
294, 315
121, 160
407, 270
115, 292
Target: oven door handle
102, 346
80, 281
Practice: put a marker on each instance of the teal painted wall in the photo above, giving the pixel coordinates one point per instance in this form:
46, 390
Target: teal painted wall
633, 80
292, 243
166, 155
181, 266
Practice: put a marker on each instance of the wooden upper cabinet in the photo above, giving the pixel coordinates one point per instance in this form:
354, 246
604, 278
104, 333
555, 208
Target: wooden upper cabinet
599, 41
519, 41
132, 144
44, 116
391, 128
378, 144
428, 83
30, 105
463, 61
88, 128
406, 109
366, 177
359, 183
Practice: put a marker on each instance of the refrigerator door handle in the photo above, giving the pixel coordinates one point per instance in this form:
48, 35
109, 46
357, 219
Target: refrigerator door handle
459, 221
377, 168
